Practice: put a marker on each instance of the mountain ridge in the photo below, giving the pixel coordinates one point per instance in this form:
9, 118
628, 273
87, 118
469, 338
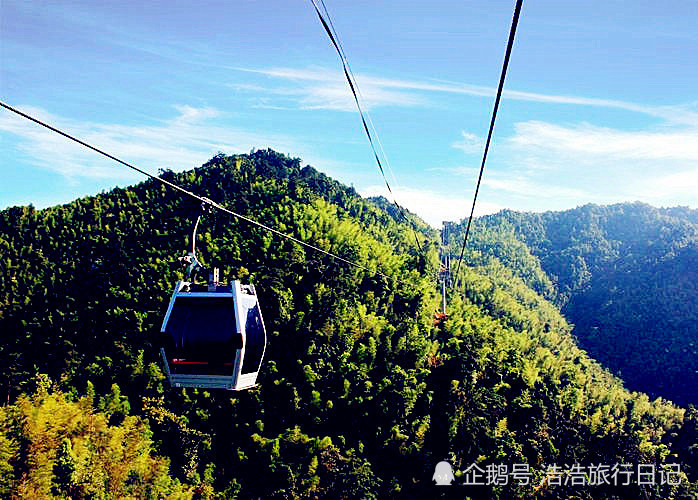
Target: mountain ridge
361, 394
620, 272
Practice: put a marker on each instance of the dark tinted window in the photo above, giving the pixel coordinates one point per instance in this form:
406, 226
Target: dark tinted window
201, 336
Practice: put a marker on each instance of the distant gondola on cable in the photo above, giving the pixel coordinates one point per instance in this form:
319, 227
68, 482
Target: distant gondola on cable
213, 333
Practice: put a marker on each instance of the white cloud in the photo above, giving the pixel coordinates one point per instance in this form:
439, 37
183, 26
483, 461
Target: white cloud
522, 183
562, 164
582, 163
524, 186
432, 206
379, 91
687, 180
469, 143
336, 97
328, 89
191, 114
548, 165
588, 141
672, 189
182, 142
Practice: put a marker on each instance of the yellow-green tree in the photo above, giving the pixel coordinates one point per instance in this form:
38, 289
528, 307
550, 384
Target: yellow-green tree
53, 447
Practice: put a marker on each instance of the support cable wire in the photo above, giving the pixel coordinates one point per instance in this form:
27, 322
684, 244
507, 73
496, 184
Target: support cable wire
364, 120
510, 44
358, 90
202, 199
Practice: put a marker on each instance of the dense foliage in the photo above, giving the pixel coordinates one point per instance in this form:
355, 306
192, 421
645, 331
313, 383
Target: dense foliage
361, 394
51, 446
625, 275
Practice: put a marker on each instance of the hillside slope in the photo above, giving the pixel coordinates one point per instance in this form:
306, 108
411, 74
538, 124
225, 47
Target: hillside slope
627, 277
360, 393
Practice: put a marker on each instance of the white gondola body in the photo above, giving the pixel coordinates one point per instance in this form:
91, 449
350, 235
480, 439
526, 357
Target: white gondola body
214, 339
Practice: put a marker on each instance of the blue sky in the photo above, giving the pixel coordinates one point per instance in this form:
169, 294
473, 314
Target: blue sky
600, 104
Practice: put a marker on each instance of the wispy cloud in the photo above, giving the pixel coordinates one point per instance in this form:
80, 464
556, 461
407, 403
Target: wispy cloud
670, 185
186, 140
327, 89
469, 143
564, 164
520, 182
321, 88
579, 163
592, 142
523, 185
659, 166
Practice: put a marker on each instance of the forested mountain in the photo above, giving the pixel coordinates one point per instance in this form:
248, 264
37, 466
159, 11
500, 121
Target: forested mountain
626, 276
361, 393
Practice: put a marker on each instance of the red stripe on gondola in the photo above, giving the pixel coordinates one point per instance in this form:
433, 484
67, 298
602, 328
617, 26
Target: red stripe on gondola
180, 362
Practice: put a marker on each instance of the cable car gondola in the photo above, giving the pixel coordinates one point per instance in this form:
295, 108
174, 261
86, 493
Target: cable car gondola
213, 334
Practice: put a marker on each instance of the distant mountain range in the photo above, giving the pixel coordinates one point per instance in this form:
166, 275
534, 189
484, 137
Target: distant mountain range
625, 275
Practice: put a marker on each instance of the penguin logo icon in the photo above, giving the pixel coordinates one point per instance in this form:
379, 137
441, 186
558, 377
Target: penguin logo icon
443, 474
